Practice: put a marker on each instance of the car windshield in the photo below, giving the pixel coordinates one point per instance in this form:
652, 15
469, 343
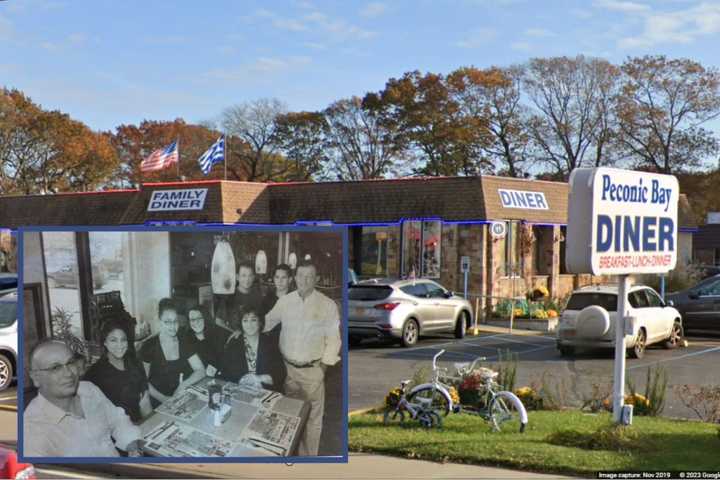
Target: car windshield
8, 310
578, 301
369, 292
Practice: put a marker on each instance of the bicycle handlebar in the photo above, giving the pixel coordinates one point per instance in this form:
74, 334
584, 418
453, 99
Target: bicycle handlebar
436, 357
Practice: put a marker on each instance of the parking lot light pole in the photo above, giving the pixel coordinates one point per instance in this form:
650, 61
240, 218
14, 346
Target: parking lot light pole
619, 372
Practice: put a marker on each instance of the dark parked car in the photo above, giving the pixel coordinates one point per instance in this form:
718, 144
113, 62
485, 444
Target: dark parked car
699, 305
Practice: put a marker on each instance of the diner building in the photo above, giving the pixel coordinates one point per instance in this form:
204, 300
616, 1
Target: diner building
495, 237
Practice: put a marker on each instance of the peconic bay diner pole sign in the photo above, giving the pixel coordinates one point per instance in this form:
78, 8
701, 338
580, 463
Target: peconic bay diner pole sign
621, 222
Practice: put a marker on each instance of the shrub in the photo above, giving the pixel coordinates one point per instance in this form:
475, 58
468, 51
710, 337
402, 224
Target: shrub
530, 398
553, 392
507, 369
652, 402
598, 399
611, 437
704, 400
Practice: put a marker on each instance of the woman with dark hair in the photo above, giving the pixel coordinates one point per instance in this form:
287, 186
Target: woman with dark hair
170, 364
119, 374
206, 339
251, 357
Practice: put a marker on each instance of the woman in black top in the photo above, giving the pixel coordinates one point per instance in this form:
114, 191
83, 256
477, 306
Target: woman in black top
206, 339
170, 364
253, 358
119, 374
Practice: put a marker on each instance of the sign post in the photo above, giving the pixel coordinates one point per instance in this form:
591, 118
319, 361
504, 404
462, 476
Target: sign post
621, 222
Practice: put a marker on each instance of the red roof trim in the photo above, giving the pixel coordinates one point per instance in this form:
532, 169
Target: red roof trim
95, 192
175, 184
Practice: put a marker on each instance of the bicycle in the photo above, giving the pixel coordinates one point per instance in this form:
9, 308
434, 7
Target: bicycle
420, 410
499, 406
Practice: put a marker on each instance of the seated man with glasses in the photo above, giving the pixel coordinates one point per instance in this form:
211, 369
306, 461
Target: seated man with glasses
70, 418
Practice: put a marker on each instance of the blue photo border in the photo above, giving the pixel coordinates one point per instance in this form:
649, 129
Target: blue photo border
196, 228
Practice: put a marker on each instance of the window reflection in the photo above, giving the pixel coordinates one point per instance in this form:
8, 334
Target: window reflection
61, 266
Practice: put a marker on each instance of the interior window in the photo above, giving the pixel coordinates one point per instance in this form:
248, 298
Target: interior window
435, 291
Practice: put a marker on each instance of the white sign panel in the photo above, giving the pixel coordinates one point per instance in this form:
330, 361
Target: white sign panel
498, 229
621, 222
175, 200
523, 199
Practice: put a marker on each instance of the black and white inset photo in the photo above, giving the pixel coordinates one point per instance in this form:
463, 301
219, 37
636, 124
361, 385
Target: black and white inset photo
147, 344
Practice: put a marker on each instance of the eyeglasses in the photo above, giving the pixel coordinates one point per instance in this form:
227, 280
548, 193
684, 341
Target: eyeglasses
73, 365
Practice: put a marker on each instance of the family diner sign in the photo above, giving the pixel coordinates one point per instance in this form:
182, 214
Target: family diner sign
621, 222
175, 200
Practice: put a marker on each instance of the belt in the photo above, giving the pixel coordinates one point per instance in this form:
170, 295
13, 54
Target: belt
312, 363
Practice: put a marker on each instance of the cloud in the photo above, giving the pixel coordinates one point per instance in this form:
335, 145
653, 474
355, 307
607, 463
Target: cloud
314, 22
478, 38
621, 6
76, 39
539, 33
6, 28
260, 67
581, 13
522, 46
372, 10
315, 46
679, 27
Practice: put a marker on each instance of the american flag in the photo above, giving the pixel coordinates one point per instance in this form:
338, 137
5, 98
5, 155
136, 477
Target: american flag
160, 159
215, 154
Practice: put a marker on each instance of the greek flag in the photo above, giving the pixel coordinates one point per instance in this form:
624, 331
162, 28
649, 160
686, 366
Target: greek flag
215, 154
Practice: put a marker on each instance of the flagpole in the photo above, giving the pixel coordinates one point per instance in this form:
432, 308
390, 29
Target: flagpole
178, 162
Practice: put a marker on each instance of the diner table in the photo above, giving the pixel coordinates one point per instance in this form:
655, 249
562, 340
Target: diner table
250, 423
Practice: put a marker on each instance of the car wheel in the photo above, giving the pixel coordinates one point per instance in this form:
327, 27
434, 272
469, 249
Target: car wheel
354, 340
410, 333
6, 372
566, 351
676, 334
461, 325
638, 351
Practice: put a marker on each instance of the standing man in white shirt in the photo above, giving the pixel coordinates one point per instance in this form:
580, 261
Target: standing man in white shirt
309, 343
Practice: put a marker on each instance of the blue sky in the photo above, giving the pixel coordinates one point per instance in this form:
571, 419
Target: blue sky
109, 62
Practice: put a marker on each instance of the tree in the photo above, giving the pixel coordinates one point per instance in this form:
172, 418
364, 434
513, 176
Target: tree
363, 144
47, 151
492, 97
571, 127
135, 143
301, 138
432, 122
661, 110
255, 124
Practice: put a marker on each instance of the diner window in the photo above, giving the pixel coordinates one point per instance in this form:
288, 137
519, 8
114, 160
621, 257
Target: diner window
510, 265
63, 282
563, 235
375, 242
421, 248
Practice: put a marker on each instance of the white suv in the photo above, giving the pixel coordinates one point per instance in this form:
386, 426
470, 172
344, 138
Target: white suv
8, 336
590, 317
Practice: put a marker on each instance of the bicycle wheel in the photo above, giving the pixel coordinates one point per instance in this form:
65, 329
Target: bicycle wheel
507, 412
431, 398
430, 419
393, 415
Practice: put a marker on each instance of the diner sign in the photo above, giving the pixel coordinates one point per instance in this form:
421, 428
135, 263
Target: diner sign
175, 200
523, 199
621, 222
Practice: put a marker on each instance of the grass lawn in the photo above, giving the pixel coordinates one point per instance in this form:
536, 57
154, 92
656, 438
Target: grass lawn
654, 443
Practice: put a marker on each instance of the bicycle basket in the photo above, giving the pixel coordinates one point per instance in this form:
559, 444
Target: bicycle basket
486, 374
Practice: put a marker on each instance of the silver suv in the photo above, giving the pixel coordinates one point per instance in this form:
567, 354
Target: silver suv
404, 309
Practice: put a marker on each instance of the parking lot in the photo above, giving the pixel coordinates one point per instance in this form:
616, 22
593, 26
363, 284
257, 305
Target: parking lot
377, 367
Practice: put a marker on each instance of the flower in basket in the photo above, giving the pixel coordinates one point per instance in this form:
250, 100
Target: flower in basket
393, 397
469, 389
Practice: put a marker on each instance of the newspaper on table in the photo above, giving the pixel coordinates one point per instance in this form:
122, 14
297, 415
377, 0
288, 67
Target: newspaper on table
271, 431
257, 397
175, 439
185, 406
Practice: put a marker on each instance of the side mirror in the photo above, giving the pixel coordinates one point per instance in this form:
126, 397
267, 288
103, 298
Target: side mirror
449, 294
693, 296
669, 303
